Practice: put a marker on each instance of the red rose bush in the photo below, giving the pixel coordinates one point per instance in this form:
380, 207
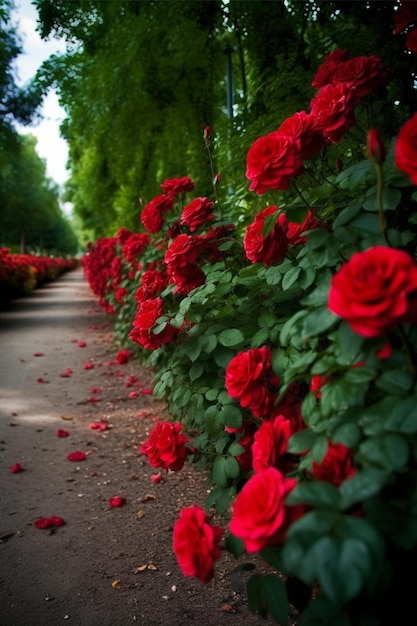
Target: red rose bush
284, 339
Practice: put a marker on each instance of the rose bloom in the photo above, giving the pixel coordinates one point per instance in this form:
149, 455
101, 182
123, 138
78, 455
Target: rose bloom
270, 445
270, 249
153, 282
122, 235
196, 543
303, 126
249, 378
406, 149
151, 216
134, 247
271, 162
197, 213
325, 72
177, 186
260, 516
362, 74
375, 290
294, 230
181, 263
148, 313
336, 466
165, 446
333, 108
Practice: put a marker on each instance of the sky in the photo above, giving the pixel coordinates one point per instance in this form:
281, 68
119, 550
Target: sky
51, 147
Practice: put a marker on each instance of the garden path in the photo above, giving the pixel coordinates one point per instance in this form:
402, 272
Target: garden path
106, 566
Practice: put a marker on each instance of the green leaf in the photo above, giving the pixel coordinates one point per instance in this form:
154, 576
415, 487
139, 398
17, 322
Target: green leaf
254, 594
346, 215
395, 381
276, 598
362, 485
231, 416
230, 337
318, 321
290, 277
301, 441
232, 467
195, 371
211, 395
220, 498
212, 420
317, 494
317, 238
219, 471
234, 545
343, 567
389, 451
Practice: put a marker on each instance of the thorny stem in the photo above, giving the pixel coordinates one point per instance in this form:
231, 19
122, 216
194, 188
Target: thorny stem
379, 189
213, 177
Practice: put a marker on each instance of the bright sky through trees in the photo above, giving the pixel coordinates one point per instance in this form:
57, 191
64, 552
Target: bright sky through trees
51, 146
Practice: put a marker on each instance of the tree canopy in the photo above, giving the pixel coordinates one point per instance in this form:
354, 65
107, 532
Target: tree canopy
143, 78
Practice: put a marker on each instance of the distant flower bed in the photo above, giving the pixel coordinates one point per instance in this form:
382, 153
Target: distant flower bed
20, 274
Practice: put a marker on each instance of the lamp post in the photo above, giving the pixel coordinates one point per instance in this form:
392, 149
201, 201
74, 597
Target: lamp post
229, 80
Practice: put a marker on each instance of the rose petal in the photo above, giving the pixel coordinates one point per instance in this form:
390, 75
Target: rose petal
116, 501
41, 380
73, 340
98, 426
95, 390
133, 394
43, 522
55, 520
62, 433
146, 390
88, 366
66, 373
156, 478
16, 468
38, 354
82, 344
76, 456
92, 399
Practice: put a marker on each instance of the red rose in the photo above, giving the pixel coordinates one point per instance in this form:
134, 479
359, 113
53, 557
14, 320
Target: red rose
271, 162
362, 75
165, 446
294, 230
375, 290
260, 516
317, 382
134, 247
336, 466
196, 543
333, 108
325, 72
375, 146
250, 379
181, 260
122, 235
177, 186
151, 218
197, 213
270, 445
148, 313
406, 149
303, 126
270, 249
153, 282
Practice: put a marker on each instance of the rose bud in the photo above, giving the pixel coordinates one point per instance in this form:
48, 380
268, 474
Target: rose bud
375, 147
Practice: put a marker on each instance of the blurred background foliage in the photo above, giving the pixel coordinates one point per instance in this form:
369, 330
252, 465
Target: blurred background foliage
141, 79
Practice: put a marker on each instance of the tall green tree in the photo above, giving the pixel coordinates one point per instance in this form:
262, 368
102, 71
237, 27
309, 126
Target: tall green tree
144, 77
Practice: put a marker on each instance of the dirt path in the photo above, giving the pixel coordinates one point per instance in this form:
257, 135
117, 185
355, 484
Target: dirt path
90, 571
